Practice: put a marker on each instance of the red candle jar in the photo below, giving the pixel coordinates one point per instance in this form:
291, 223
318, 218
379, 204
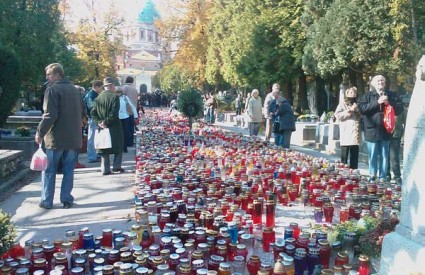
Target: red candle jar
343, 214
257, 212
253, 265
296, 232
270, 213
325, 253
163, 219
341, 259
107, 238
364, 268
328, 211
268, 238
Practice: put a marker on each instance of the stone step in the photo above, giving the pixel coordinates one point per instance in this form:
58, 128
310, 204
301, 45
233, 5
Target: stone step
11, 161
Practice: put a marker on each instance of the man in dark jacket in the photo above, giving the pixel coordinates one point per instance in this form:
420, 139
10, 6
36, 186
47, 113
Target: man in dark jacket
105, 113
60, 128
371, 106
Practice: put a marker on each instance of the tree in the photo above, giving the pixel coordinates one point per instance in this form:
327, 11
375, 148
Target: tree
189, 29
10, 81
171, 78
98, 42
33, 29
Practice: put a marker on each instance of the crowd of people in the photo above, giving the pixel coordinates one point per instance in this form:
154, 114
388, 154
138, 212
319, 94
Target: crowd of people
68, 109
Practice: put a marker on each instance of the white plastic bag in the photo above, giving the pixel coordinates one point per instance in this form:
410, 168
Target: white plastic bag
39, 160
102, 139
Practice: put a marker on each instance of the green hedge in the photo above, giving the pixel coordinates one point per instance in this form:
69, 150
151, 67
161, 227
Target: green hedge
10, 80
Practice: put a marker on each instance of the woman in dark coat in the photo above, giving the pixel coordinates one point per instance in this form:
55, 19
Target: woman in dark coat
282, 113
105, 113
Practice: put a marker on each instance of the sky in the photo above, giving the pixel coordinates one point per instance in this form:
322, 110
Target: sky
129, 8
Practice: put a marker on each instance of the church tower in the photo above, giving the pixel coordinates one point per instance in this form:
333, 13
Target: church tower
143, 57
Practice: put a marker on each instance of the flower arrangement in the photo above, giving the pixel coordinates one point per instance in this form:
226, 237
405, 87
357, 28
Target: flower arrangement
308, 118
337, 232
371, 241
24, 131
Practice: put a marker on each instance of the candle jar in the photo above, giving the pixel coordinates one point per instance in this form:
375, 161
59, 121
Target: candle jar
341, 259
325, 253
268, 238
163, 219
88, 241
296, 230
238, 265
253, 265
364, 266
292, 193
343, 214
288, 233
257, 212
313, 258
328, 211
241, 250
318, 215
348, 245
214, 262
300, 261
224, 269
270, 213
233, 232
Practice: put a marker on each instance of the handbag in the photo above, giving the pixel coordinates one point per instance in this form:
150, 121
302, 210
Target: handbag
102, 139
276, 125
389, 119
39, 160
128, 107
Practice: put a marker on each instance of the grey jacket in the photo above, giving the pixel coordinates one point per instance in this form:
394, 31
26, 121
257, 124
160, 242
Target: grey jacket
61, 123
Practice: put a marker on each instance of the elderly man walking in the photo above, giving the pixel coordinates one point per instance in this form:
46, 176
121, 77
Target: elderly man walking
105, 113
60, 128
254, 113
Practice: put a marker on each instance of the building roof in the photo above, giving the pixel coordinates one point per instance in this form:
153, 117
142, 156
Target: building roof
135, 72
148, 14
145, 56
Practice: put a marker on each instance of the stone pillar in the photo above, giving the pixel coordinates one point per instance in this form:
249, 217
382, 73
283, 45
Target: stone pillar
403, 251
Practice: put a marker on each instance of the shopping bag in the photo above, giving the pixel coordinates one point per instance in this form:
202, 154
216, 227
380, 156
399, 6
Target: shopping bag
102, 139
39, 160
389, 119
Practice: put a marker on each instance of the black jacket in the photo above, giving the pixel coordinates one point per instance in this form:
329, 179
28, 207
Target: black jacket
282, 108
373, 114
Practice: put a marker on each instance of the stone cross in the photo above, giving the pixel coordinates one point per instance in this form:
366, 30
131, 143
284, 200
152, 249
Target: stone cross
403, 251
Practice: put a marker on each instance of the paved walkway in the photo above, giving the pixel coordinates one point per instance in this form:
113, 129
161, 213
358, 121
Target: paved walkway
100, 201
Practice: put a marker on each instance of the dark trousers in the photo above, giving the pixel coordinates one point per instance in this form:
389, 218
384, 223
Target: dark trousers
130, 140
353, 152
126, 131
238, 111
254, 128
394, 159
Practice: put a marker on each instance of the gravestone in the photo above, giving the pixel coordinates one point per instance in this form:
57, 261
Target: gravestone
403, 251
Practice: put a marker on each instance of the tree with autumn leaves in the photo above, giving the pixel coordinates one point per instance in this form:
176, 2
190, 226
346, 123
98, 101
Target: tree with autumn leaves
98, 41
300, 44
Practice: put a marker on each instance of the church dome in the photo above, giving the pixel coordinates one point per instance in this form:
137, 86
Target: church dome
148, 14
